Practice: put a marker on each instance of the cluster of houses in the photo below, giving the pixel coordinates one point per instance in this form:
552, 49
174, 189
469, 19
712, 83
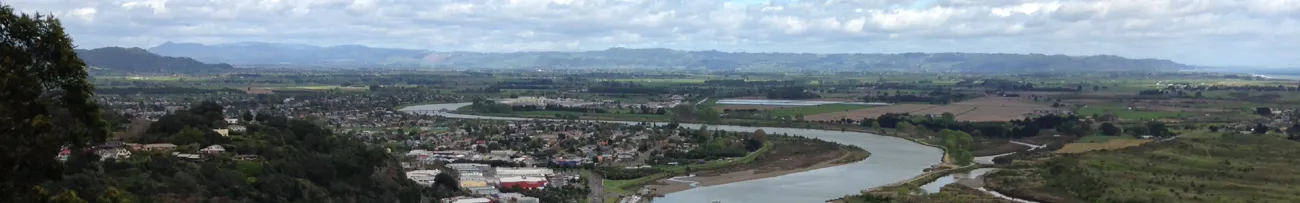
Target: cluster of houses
122, 150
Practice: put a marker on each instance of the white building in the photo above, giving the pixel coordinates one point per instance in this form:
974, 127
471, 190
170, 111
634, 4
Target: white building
423, 177
116, 153
472, 200
516, 198
529, 172
214, 149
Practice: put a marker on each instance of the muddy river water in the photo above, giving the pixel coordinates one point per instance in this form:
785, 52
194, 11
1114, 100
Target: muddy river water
892, 160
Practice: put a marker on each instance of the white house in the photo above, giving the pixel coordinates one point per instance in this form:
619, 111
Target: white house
214, 149
222, 132
237, 128
423, 177
115, 153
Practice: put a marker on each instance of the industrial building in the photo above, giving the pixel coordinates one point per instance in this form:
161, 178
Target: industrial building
523, 182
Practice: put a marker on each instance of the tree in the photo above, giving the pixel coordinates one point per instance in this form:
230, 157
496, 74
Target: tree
904, 126
875, 125
1214, 128
683, 111
1109, 129
1293, 132
958, 145
949, 117
707, 115
247, 116
47, 102
113, 195
67, 196
1158, 129
1264, 111
1260, 128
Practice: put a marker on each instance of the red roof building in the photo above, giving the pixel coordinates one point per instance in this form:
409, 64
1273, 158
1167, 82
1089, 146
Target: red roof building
523, 182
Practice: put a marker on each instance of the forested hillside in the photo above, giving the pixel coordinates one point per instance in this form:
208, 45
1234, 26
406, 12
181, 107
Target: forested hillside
297, 161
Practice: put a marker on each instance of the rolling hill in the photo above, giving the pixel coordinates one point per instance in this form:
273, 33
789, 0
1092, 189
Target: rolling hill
137, 60
260, 53
263, 53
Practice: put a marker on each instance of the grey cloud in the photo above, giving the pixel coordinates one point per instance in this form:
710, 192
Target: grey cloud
1192, 31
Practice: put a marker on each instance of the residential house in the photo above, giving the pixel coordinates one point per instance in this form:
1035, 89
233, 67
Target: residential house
516, 198
160, 147
222, 132
237, 129
114, 153
187, 156
247, 157
214, 149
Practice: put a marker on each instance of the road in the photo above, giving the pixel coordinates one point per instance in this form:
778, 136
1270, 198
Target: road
989, 159
1032, 147
597, 186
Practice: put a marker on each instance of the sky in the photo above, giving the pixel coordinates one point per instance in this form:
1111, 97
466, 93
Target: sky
1198, 32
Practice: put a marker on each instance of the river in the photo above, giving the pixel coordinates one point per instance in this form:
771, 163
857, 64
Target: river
892, 160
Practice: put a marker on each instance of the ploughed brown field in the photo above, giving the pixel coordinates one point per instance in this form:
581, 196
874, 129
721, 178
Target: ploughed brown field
978, 109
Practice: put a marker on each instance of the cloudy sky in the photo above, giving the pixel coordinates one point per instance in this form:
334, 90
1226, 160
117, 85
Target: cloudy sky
1200, 32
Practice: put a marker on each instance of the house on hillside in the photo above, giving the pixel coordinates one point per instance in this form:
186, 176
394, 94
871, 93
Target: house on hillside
214, 149
223, 132
160, 147
113, 153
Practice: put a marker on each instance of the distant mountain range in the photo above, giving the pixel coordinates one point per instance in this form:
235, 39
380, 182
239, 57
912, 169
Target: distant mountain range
352, 56
263, 53
137, 60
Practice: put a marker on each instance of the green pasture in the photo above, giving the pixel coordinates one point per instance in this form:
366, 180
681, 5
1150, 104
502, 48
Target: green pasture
818, 109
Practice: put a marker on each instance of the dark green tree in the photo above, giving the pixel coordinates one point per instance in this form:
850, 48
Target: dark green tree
1260, 128
1109, 129
45, 102
247, 116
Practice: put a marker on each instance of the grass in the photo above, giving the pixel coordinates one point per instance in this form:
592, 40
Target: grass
1102, 138
1125, 113
1098, 142
818, 109
1201, 168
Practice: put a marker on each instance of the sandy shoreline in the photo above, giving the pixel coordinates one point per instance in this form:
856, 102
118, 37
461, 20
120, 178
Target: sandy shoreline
665, 186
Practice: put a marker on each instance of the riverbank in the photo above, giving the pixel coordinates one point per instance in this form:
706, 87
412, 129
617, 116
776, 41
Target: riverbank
780, 165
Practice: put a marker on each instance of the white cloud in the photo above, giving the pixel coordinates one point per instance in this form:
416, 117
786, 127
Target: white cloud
1252, 32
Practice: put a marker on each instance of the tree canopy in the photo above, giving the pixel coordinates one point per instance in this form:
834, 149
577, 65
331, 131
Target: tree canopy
47, 102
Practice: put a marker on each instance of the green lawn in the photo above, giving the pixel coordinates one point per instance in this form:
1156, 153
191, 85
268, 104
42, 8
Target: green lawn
819, 109
1125, 113
1102, 138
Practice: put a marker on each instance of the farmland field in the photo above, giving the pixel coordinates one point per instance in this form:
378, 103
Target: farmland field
978, 109
819, 109
1125, 113
1097, 142
870, 112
